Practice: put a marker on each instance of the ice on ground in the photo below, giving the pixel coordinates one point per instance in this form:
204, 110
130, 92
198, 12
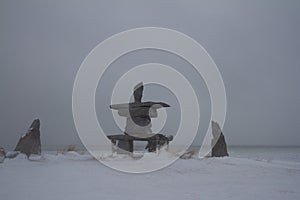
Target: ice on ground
79, 176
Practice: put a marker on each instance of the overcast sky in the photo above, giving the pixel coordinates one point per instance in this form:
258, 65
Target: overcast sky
255, 44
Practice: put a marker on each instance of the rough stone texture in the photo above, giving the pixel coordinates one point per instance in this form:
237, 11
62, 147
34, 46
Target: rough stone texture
2, 154
218, 142
30, 143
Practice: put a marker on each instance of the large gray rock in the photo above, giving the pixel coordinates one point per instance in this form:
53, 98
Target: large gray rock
30, 143
219, 147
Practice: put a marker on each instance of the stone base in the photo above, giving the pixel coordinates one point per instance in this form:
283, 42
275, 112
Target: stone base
125, 142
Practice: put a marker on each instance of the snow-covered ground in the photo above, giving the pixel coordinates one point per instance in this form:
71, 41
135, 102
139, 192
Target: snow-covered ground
75, 176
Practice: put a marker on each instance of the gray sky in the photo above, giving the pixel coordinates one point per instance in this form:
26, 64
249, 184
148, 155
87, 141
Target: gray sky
255, 44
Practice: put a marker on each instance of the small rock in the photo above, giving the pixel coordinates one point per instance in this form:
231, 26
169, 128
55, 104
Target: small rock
187, 155
2, 154
12, 154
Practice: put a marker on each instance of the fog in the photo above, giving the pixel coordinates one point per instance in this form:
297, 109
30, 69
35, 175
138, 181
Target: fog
255, 45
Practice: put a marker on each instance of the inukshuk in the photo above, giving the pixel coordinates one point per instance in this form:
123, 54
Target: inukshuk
138, 118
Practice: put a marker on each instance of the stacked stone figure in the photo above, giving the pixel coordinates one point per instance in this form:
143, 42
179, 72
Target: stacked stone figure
138, 122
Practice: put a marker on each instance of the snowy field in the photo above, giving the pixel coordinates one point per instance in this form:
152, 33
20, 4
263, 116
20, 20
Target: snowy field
75, 176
